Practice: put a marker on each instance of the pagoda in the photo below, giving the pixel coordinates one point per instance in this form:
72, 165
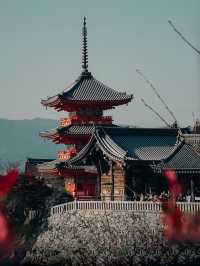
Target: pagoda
85, 100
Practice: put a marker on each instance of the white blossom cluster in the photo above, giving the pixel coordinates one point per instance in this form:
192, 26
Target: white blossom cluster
108, 238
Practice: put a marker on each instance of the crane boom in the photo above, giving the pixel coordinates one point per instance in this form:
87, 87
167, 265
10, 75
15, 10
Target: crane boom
155, 112
182, 37
157, 94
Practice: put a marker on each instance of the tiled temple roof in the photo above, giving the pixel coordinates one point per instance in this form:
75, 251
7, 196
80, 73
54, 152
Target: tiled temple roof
77, 130
86, 89
159, 147
138, 144
72, 130
132, 144
68, 130
90, 89
184, 160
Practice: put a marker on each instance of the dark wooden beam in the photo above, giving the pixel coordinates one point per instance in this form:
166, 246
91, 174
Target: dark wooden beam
99, 170
192, 189
113, 183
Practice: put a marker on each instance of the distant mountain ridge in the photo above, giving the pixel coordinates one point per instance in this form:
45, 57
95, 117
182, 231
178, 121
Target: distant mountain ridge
20, 140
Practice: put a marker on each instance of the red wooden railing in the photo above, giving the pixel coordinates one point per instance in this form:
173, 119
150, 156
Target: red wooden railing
67, 154
63, 122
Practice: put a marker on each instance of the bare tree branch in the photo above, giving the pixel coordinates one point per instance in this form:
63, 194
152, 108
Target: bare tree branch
157, 94
155, 112
182, 37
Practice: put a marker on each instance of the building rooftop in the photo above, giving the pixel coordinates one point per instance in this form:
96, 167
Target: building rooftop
86, 91
71, 130
68, 130
133, 144
184, 160
161, 148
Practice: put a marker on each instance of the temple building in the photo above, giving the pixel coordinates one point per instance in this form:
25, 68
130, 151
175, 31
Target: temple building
105, 161
132, 160
85, 100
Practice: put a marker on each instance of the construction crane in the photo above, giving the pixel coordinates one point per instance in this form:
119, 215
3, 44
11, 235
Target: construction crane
182, 37
175, 124
155, 112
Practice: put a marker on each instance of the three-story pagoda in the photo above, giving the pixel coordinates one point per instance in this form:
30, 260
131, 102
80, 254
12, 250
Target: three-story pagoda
85, 100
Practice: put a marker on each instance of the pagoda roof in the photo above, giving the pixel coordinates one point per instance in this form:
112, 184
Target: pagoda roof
68, 130
71, 130
87, 92
132, 144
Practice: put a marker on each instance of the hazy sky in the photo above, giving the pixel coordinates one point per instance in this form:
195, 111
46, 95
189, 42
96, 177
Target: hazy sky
40, 52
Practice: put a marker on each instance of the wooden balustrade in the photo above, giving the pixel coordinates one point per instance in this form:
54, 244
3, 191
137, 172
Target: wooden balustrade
67, 154
63, 122
135, 206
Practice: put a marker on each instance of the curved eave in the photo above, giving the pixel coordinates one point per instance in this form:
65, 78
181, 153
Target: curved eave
87, 91
174, 152
183, 160
72, 105
64, 136
163, 158
82, 154
49, 134
55, 100
90, 147
115, 152
52, 101
109, 148
57, 134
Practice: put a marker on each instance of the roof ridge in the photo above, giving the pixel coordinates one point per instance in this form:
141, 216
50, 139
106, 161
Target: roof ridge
177, 148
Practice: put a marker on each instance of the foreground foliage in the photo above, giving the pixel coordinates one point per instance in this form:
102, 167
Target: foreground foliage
29, 194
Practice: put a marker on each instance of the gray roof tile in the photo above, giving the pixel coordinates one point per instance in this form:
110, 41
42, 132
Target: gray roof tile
185, 158
87, 88
139, 144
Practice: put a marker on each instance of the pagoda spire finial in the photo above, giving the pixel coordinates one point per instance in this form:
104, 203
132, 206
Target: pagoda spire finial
84, 47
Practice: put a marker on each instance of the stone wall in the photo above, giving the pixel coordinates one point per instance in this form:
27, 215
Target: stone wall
105, 238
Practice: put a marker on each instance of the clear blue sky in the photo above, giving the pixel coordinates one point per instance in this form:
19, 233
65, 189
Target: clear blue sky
40, 53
